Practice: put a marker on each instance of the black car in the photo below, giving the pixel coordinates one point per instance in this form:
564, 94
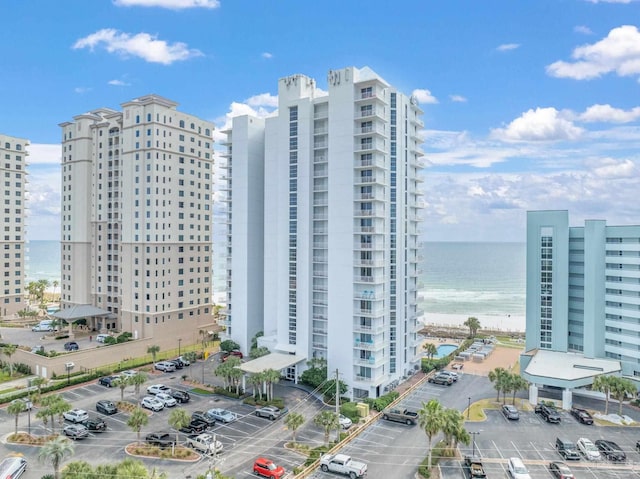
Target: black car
160, 439
71, 346
107, 381
180, 396
195, 427
582, 415
510, 412
548, 413
203, 416
95, 424
106, 407
611, 450
176, 362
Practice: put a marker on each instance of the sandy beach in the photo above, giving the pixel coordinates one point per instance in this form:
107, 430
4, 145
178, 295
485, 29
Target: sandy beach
506, 323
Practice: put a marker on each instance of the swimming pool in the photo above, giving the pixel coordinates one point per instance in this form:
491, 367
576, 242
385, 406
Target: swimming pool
445, 349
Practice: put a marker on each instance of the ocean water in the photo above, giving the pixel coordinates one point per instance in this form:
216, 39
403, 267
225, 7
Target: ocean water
472, 279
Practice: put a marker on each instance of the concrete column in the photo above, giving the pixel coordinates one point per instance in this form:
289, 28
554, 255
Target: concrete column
567, 399
533, 394
244, 383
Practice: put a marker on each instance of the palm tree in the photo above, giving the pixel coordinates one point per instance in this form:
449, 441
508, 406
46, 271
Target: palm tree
327, 420
473, 324
51, 406
8, 350
153, 351
178, 419
122, 382
430, 419
517, 383
39, 382
620, 388
137, 380
497, 377
271, 377
453, 428
255, 380
16, 408
137, 420
293, 421
54, 452
78, 470
430, 349
55, 284
603, 384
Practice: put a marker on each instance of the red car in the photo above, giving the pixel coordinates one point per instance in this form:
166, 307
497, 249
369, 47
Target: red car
235, 352
266, 468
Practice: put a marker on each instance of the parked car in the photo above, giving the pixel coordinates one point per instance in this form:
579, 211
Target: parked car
560, 470
195, 427
267, 468
152, 403
548, 413
158, 388
271, 412
180, 396
28, 405
165, 366
222, 415
95, 424
610, 450
588, 449
160, 439
176, 363
76, 431
108, 381
166, 399
226, 355
12, 467
517, 469
106, 407
76, 415
205, 443
129, 373
453, 375
582, 415
185, 362
567, 449
510, 412
71, 346
204, 416
440, 379
101, 338
344, 421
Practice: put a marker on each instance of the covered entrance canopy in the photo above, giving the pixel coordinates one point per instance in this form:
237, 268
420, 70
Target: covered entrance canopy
81, 311
275, 361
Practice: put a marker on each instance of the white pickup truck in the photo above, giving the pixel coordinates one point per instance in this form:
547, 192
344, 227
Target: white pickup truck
205, 443
343, 464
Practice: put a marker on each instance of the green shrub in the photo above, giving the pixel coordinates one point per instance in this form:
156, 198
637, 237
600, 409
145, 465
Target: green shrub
124, 337
349, 409
110, 340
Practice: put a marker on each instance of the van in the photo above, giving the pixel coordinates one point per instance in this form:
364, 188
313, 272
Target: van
517, 469
44, 325
567, 449
102, 337
12, 467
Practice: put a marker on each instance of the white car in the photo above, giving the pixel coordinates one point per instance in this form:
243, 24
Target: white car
102, 337
204, 443
165, 366
76, 415
345, 422
222, 415
184, 361
152, 403
517, 469
158, 388
130, 373
588, 449
166, 399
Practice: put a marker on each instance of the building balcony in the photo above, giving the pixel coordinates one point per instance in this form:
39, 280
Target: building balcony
369, 313
369, 180
376, 263
371, 96
367, 147
417, 121
368, 345
321, 130
317, 115
321, 331
370, 113
319, 345
320, 144
373, 361
375, 130
368, 329
368, 213
377, 161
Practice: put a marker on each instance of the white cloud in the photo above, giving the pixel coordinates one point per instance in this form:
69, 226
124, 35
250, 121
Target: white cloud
118, 83
267, 55
506, 47
263, 99
457, 98
170, 4
142, 45
81, 90
606, 113
611, 168
424, 96
42, 153
582, 29
541, 124
610, 1
619, 52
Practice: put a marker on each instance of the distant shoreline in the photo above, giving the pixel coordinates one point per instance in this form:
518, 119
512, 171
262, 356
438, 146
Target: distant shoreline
508, 323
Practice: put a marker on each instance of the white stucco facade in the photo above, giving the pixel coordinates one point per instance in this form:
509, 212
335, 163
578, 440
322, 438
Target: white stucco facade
341, 206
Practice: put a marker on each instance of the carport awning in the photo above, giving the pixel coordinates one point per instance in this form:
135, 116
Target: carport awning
276, 361
80, 311
569, 366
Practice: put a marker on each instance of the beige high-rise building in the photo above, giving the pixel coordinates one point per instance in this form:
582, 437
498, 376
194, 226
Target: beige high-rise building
136, 218
12, 241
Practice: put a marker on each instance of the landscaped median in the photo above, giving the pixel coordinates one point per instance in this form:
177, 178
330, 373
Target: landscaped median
177, 453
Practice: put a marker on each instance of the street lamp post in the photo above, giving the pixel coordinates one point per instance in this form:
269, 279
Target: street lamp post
179, 341
473, 448
469, 409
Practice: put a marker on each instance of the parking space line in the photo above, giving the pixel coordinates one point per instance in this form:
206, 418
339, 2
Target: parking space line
533, 446
497, 449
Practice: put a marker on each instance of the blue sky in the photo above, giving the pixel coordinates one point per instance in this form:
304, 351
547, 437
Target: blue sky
529, 104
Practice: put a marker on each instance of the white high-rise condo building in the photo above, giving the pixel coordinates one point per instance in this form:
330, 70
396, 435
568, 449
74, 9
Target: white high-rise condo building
323, 211
583, 302
136, 217
13, 152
